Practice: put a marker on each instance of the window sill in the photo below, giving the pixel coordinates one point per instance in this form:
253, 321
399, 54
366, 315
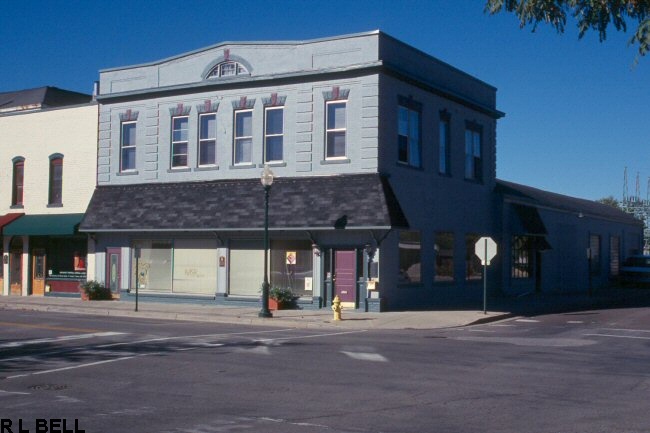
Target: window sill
409, 166
179, 170
127, 173
206, 168
17, 206
238, 166
335, 161
55, 205
273, 164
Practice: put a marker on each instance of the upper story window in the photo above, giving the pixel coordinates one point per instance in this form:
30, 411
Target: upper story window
273, 133
444, 149
180, 127
335, 129
409, 148
18, 182
55, 193
227, 68
243, 137
473, 153
127, 146
207, 139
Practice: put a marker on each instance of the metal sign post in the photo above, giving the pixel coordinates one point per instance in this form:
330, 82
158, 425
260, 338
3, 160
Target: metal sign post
485, 249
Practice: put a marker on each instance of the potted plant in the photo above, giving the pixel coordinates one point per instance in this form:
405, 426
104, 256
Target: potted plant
280, 298
94, 291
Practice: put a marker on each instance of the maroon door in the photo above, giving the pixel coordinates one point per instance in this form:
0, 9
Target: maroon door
113, 268
345, 269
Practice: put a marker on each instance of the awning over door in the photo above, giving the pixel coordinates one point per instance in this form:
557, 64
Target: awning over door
530, 219
8, 218
44, 225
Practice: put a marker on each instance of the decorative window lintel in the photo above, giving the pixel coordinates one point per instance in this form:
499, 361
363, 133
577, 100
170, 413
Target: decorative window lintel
243, 103
409, 103
274, 100
207, 107
336, 94
180, 110
129, 116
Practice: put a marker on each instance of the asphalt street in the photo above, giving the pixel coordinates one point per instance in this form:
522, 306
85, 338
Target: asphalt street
571, 372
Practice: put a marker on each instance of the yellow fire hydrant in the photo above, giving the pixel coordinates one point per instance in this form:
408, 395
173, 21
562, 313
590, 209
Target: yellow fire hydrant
336, 307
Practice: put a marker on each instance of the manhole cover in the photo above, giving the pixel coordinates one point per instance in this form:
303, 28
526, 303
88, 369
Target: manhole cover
48, 387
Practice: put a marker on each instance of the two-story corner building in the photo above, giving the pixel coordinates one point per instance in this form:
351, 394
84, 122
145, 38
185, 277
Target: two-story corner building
384, 164
378, 150
48, 154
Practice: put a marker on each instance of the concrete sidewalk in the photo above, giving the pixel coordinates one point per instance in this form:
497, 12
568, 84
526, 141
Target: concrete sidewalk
322, 318
498, 308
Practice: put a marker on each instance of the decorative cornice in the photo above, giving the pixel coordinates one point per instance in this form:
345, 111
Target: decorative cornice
243, 103
336, 94
274, 100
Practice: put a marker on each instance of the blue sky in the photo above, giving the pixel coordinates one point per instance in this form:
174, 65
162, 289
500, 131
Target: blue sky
576, 110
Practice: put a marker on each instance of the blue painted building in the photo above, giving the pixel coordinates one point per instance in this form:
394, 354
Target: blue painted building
385, 176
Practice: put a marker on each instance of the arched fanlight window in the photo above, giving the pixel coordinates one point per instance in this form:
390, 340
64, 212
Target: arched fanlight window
227, 69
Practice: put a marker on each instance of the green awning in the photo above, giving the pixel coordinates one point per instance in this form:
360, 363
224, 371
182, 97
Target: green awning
43, 225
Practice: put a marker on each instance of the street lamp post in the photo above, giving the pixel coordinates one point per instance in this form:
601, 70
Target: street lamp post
267, 181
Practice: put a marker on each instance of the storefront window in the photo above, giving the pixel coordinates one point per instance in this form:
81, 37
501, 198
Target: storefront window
444, 248
195, 266
292, 266
409, 257
152, 265
473, 268
522, 257
66, 257
246, 268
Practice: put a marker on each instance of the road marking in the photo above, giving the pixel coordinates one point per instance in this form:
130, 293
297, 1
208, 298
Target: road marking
575, 321
2, 391
72, 367
626, 330
527, 320
361, 356
51, 328
58, 339
636, 337
228, 334
309, 336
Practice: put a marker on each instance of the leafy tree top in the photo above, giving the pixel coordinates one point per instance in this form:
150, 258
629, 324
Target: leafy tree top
596, 15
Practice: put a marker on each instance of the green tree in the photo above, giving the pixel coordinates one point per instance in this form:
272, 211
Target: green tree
610, 201
594, 15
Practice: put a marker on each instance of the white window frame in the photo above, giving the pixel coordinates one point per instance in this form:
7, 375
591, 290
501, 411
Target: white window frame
130, 146
473, 155
174, 143
411, 143
237, 139
444, 151
206, 140
267, 135
333, 130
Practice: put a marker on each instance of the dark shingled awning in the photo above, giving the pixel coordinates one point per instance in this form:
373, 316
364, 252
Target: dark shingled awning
364, 201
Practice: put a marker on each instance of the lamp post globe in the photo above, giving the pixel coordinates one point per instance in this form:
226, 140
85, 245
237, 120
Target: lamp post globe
267, 180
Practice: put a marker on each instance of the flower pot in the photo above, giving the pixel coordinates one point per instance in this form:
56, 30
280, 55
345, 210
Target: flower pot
275, 305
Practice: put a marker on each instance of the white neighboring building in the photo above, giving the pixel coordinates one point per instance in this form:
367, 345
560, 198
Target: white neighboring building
48, 154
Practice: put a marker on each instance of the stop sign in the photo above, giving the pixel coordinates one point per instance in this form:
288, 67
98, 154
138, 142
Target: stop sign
485, 249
